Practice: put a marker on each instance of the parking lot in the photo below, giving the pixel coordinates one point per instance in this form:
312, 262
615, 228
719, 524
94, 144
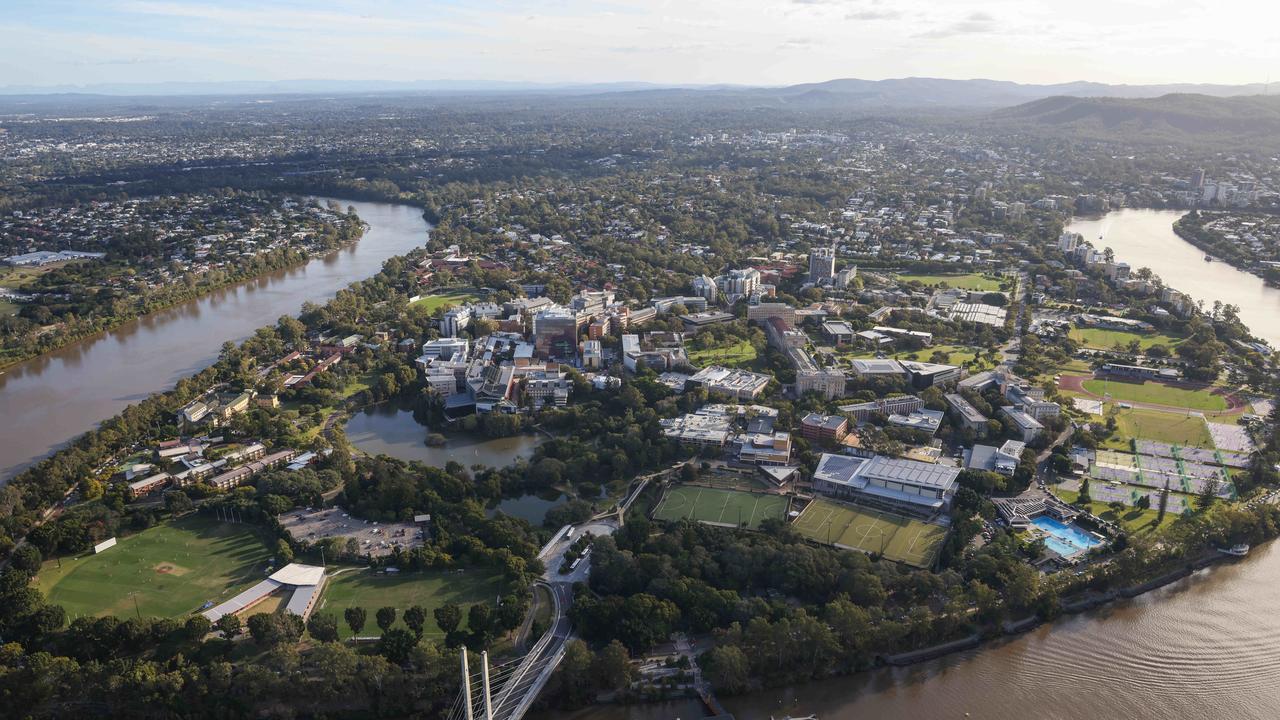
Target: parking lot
374, 539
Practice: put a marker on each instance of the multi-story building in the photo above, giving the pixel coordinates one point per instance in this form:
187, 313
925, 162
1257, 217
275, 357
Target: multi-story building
546, 387
828, 382
592, 355
555, 333
822, 264
966, 414
705, 288
739, 282
898, 405
454, 321
829, 428
762, 312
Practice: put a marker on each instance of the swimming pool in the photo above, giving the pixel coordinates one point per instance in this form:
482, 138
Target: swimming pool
1066, 540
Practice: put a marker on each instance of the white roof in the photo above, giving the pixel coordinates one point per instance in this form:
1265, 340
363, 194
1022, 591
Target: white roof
298, 574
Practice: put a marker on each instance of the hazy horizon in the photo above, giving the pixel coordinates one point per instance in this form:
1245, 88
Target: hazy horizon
55, 43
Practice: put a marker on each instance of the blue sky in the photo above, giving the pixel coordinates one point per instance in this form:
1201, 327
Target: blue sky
57, 42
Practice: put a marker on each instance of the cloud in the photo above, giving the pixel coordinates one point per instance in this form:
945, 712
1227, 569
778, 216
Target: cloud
975, 23
871, 15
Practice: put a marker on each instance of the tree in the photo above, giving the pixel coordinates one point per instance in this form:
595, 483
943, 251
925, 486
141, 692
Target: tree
355, 617
613, 666
323, 627
385, 617
479, 619
1084, 497
27, 558
448, 617
396, 644
728, 669
1208, 494
416, 617
196, 627
229, 626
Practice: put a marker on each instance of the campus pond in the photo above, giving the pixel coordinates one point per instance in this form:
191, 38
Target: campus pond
61, 394
390, 430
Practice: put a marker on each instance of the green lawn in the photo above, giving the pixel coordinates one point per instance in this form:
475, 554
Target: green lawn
171, 570
1157, 394
1108, 339
1173, 428
740, 354
8, 308
958, 354
719, 507
965, 281
431, 302
896, 538
1133, 520
430, 589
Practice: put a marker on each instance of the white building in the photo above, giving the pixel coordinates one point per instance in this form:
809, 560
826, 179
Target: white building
901, 485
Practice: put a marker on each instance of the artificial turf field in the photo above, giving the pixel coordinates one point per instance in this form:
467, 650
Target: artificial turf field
170, 570
896, 538
719, 507
430, 589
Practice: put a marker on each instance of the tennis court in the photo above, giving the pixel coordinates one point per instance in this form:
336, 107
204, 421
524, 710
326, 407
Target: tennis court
714, 506
895, 537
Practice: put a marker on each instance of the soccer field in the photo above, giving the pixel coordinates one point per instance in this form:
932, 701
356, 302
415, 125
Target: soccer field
170, 570
430, 589
896, 538
719, 507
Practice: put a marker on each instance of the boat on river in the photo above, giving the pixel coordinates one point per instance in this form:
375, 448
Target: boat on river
1239, 550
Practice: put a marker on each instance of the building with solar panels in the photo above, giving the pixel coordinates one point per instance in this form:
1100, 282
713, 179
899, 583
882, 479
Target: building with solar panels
909, 486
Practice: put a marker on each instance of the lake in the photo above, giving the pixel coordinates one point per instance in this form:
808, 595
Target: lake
390, 430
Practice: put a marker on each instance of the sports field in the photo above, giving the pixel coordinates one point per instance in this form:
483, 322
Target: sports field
720, 507
171, 570
965, 281
1168, 427
1107, 339
431, 589
1157, 393
896, 538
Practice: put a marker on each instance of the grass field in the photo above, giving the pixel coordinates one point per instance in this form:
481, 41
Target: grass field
1157, 394
1133, 520
740, 354
896, 538
171, 570
430, 589
431, 302
1108, 339
1173, 428
957, 354
725, 507
965, 281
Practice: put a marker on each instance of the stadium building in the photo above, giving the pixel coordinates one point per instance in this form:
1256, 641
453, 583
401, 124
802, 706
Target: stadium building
909, 486
302, 582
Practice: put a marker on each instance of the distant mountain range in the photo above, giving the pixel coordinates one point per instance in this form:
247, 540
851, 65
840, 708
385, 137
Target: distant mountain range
847, 93
1174, 116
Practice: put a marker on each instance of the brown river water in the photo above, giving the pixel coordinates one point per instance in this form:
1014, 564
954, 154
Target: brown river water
49, 400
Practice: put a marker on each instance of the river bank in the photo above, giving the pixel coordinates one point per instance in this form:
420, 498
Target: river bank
1145, 238
63, 393
170, 299
1181, 231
